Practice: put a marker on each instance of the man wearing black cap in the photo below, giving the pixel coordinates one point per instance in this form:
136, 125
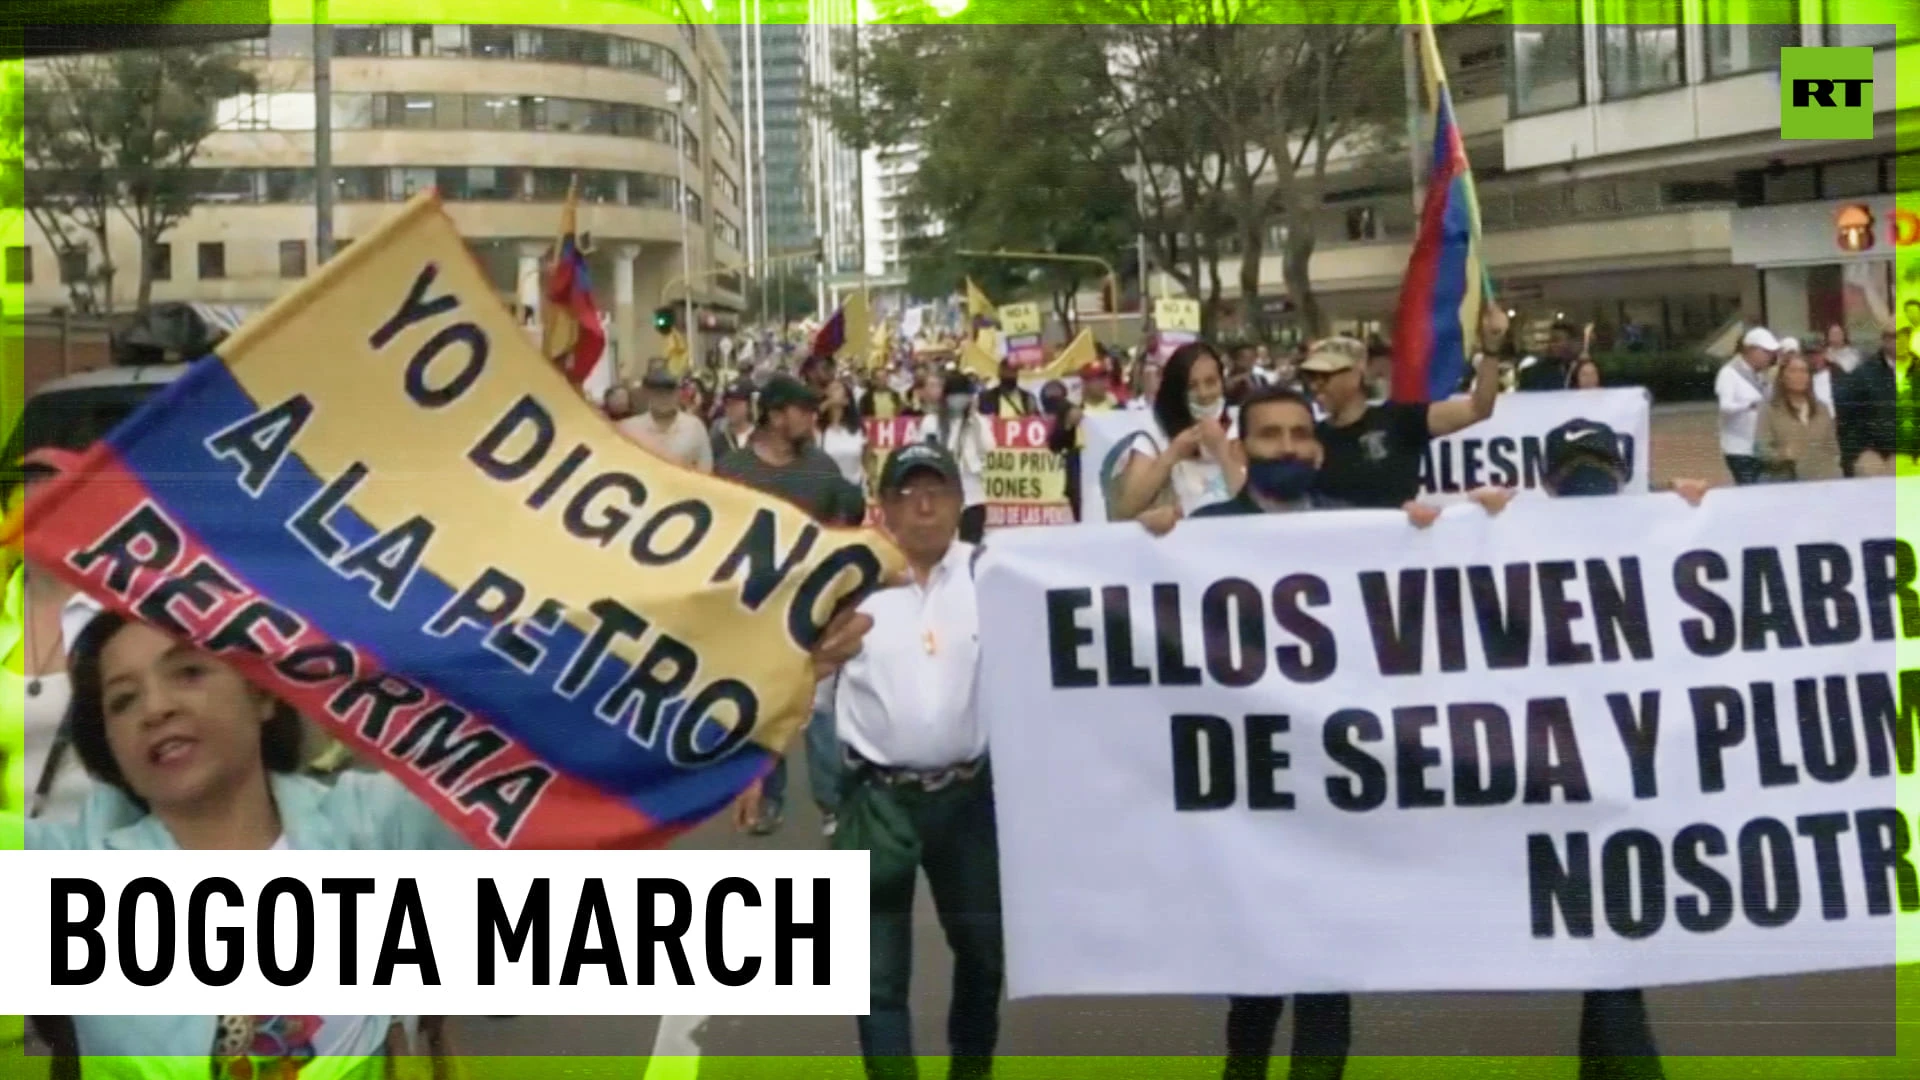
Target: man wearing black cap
1006, 398
667, 429
919, 794
782, 459
1583, 459
734, 426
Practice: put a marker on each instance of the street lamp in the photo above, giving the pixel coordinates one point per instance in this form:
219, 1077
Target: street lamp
676, 98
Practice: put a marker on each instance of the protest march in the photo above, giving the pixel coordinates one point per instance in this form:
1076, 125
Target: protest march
433, 655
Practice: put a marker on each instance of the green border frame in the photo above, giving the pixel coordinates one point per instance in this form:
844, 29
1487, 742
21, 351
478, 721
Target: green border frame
1903, 14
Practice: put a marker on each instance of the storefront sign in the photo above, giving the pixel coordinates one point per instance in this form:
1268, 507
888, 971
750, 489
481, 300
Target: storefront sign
1805, 234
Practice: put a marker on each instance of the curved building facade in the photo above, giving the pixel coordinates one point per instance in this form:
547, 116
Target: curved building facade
500, 119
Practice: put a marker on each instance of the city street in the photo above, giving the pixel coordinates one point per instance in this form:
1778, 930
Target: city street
1841, 1014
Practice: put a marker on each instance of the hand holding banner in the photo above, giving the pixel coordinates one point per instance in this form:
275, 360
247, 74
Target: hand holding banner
382, 506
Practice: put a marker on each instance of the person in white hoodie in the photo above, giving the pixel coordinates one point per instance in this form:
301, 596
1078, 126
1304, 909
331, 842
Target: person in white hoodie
1743, 391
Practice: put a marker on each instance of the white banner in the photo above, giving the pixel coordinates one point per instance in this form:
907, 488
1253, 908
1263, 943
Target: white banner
1505, 450
1587, 744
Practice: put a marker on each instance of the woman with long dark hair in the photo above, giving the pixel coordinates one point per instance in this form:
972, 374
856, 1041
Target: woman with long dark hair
1189, 463
842, 434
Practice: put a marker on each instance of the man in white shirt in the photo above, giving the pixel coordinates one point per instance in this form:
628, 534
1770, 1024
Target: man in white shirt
668, 430
918, 794
1743, 391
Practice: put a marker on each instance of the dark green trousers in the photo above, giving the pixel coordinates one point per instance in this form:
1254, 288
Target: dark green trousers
949, 833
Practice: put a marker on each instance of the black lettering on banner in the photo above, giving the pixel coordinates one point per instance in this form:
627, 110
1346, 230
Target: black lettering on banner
407, 917
1620, 609
85, 930
1774, 771
1634, 855
1566, 886
670, 936
511, 641
428, 396
196, 587
1234, 629
1413, 757
1203, 762
526, 413
683, 745
1826, 596
758, 552
259, 442
1396, 619
557, 479
490, 600
435, 741
1769, 873
313, 665
232, 939
1470, 727
717, 935
130, 942
1885, 847
1553, 754
1560, 613
1170, 643
787, 930
1889, 725
236, 633
390, 559
1713, 908
506, 797
1887, 573
349, 890
416, 308
1449, 618
1719, 724
1367, 788
1715, 633
1640, 736
645, 690
145, 539
1824, 830
1116, 613
1505, 633
310, 524
1265, 762
1317, 643
383, 694
1766, 605
593, 915
1827, 749
612, 519
699, 520
514, 935
1066, 637
613, 620
295, 890
805, 624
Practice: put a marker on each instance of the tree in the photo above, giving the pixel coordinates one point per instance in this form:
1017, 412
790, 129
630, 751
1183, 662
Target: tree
789, 296
119, 134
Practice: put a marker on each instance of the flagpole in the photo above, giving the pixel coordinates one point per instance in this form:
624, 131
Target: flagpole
1410, 62
322, 134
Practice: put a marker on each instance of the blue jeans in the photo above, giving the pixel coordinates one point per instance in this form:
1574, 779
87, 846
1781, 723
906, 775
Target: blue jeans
824, 767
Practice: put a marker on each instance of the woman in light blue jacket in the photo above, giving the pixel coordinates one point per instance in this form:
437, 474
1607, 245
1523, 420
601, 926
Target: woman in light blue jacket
190, 755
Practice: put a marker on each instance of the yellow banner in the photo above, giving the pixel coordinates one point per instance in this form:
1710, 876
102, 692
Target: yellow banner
1026, 481
1020, 320
1177, 314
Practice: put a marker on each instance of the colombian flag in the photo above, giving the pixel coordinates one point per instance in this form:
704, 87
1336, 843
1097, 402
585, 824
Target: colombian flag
1439, 312
570, 330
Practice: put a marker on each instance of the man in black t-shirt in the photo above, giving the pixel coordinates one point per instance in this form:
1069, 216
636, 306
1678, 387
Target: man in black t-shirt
1373, 451
1549, 372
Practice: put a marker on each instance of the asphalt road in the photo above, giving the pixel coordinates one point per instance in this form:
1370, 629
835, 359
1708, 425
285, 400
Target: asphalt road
1850, 1014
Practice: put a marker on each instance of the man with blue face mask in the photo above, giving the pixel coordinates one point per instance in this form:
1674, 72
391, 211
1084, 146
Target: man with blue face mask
1282, 452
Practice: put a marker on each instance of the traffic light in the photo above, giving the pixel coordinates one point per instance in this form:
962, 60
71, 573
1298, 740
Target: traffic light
663, 319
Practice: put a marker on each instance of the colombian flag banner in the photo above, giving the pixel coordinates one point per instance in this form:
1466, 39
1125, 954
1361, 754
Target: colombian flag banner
571, 334
381, 504
1439, 311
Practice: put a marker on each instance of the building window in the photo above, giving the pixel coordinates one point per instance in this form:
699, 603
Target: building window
73, 266
1790, 185
213, 261
293, 258
1549, 66
19, 266
1857, 22
1639, 59
1848, 179
160, 262
1747, 35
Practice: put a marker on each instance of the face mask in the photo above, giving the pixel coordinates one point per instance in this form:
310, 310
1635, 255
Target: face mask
1207, 412
957, 403
1588, 480
1283, 479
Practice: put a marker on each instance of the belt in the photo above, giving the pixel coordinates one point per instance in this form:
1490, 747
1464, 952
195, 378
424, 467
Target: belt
924, 779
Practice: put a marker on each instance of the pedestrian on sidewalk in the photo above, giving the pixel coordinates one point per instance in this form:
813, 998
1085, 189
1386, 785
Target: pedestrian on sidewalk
1743, 389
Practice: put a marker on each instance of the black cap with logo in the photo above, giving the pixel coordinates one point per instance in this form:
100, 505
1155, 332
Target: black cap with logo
1582, 440
917, 457
785, 391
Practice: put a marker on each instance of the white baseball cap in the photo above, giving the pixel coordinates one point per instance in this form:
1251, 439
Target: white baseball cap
1789, 344
1760, 338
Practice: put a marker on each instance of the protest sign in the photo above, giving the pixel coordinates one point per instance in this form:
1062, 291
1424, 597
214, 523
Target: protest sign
1025, 482
382, 505
1176, 320
1586, 744
1020, 327
1505, 450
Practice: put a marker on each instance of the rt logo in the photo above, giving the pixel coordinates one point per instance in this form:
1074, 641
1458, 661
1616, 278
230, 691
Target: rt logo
1826, 93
